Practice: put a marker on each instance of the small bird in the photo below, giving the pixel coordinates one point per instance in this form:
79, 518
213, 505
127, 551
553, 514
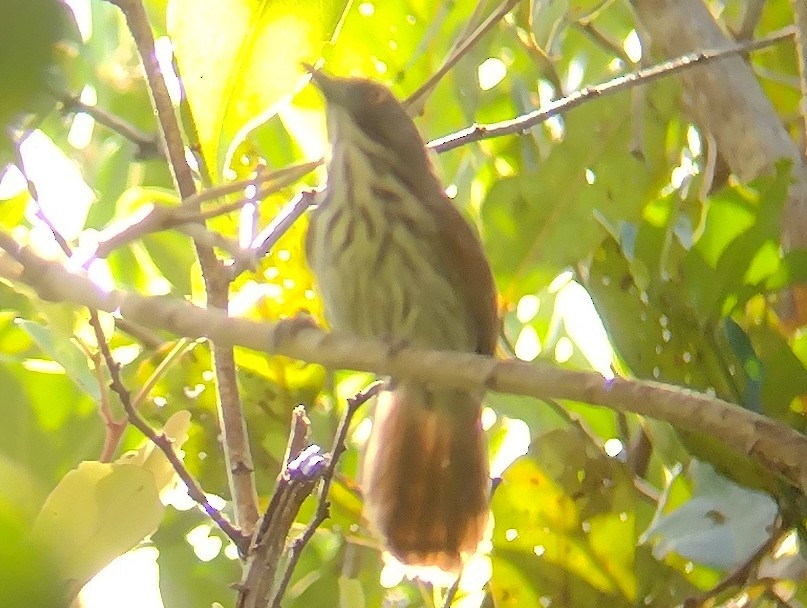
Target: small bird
395, 260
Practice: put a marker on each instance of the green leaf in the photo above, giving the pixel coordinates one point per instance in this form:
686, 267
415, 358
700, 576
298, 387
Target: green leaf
511, 586
30, 31
656, 336
573, 533
539, 222
97, 512
239, 59
150, 458
20, 491
62, 350
172, 255
351, 594
26, 572
12, 210
739, 223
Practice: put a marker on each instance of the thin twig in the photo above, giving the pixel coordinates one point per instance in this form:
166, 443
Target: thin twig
147, 145
596, 36
323, 506
739, 577
302, 468
186, 217
281, 177
546, 65
751, 17
270, 235
114, 429
159, 439
31, 187
179, 347
452, 592
643, 76
416, 99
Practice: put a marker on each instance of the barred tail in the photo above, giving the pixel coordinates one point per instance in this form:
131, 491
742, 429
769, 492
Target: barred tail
425, 476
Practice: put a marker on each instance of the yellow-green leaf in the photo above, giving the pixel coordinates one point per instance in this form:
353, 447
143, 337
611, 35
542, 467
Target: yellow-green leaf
97, 512
149, 457
249, 60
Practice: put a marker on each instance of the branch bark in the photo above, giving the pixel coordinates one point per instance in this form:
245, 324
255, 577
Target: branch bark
776, 446
687, 61
303, 467
237, 454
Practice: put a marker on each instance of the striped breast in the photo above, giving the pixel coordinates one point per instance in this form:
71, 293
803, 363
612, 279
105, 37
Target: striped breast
377, 252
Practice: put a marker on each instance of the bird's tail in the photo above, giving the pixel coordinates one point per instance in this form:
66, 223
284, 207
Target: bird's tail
425, 476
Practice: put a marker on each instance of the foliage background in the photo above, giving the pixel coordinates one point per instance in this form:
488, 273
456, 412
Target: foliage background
610, 209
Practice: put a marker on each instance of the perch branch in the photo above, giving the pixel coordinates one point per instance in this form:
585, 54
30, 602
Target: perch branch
773, 444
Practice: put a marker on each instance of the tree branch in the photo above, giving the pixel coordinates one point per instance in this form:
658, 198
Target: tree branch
323, 506
187, 217
163, 443
302, 468
416, 100
304, 465
643, 76
237, 455
293, 210
775, 445
281, 223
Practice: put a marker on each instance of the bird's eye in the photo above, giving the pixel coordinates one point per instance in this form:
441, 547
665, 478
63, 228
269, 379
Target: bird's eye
376, 96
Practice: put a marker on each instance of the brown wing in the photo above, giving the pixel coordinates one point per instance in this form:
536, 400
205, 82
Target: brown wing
465, 259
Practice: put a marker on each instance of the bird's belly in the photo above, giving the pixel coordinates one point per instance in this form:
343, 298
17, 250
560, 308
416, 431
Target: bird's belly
385, 286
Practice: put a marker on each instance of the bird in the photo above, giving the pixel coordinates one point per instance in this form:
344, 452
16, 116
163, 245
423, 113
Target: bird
395, 260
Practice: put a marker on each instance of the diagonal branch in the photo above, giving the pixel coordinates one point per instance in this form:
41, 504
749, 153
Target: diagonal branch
187, 217
415, 101
163, 443
776, 446
303, 467
148, 146
643, 76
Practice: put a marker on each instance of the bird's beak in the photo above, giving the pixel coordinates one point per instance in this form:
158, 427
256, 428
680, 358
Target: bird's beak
326, 84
